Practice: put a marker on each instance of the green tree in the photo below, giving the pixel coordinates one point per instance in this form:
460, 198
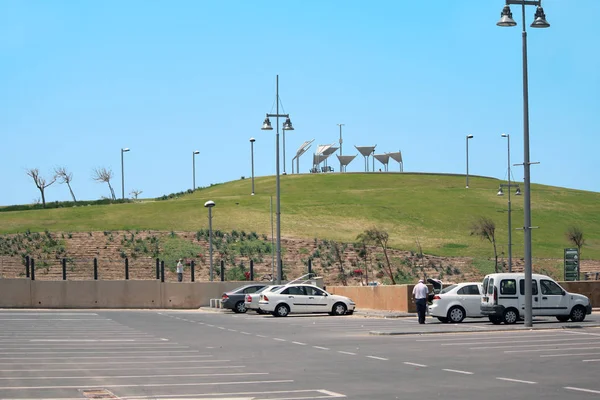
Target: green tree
485, 228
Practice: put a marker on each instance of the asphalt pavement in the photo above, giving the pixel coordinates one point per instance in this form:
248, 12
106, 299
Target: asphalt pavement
65, 354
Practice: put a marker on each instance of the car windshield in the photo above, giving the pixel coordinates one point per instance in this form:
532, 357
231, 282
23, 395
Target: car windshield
447, 289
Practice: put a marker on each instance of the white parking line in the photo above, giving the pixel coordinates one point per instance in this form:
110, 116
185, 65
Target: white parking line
511, 342
133, 376
123, 352
329, 393
570, 355
279, 340
320, 348
583, 333
346, 352
187, 367
232, 330
81, 340
458, 371
516, 380
300, 343
378, 358
147, 385
481, 339
94, 357
582, 390
415, 364
538, 350
246, 333
595, 360
262, 336
119, 362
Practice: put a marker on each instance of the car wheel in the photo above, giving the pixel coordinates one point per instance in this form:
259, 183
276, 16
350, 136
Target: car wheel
339, 309
511, 316
456, 314
282, 310
443, 319
563, 318
578, 314
495, 320
240, 307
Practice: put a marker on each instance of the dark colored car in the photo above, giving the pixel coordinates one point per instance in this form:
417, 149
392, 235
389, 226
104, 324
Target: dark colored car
234, 299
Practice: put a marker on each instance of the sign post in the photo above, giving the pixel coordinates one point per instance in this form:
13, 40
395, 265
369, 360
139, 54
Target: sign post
571, 264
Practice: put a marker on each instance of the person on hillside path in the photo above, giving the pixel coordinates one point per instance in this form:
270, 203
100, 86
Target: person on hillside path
179, 271
420, 292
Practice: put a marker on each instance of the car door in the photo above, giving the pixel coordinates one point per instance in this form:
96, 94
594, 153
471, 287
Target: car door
296, 298
553, 301
316, 300
535, 298
470, 298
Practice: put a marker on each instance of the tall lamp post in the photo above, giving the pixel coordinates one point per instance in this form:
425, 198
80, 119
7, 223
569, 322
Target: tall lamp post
210, 204
287, 126
501, 193
341, 154
468, 137
123, 150
194, 153
252, 140
539, 21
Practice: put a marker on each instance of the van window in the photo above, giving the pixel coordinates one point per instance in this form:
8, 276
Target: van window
485, 285
550, 287
491, 286
534, 289
508, 287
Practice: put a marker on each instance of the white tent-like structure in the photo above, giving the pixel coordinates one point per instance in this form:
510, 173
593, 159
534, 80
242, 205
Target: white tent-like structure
384, 159
323, 152
366, 151
345, 160
301, 150
398, 158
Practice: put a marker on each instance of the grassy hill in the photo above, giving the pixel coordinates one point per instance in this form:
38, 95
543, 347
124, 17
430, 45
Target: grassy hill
435, 210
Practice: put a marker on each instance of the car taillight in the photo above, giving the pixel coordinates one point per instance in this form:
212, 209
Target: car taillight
265, 298
436, 297
225, 297
248, 298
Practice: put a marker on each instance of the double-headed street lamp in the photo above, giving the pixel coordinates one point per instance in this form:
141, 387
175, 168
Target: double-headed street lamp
123, 150
539, 21
468, 137
287, 126
252, 140
210, 204
194, 153
501, 193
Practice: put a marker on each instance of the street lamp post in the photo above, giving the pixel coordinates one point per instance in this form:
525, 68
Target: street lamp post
210, 204
123, 150
287, 126
194, 167
252, 140
341, 154
468, 137
506, 20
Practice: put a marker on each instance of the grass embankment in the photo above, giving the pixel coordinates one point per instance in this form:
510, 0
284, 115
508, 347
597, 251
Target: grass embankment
435, 210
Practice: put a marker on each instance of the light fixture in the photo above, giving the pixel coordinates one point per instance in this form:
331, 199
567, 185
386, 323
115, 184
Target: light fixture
518, 192
500, 192
506, 18
540, 19
287, 125
267, 125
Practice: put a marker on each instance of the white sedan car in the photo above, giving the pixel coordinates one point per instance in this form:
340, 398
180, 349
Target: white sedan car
304, 298
251, 300
456, 302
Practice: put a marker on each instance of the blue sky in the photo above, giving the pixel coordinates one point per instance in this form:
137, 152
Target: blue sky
81, 80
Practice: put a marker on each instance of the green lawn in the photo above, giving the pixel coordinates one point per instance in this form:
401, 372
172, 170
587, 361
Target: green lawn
435, 210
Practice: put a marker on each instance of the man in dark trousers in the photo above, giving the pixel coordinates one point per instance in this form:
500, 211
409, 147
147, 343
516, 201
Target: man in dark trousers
420, 295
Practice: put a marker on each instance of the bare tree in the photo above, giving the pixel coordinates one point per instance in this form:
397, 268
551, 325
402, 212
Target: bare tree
40, 182
337, 253
135, 193
575, 236
485, 228
65, 177
104, 175
379, 238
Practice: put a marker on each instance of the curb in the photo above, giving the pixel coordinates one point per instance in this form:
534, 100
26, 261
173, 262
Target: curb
520, 328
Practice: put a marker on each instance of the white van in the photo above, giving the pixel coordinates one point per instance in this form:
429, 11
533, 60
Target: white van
503, 299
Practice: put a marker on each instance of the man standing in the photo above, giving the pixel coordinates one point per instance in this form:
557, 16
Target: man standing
179, 270
420, 295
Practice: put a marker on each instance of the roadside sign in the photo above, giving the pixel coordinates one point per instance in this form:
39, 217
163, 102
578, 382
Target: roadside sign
571, 264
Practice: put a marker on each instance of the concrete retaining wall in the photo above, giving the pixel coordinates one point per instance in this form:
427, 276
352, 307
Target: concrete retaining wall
24, 293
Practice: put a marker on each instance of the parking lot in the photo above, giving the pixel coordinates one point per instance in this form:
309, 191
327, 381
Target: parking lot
216, 355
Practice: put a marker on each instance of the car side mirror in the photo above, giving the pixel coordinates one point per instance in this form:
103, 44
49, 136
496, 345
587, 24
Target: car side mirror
563, 293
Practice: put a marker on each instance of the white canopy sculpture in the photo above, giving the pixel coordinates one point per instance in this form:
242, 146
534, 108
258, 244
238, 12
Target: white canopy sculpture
398, 158
384, 159
321, 155
301, 150
366, 151
345, 160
